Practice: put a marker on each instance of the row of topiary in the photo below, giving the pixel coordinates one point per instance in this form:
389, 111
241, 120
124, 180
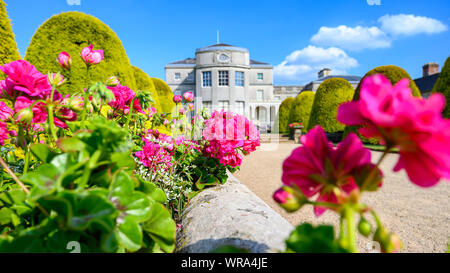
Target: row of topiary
321, 108
72, 31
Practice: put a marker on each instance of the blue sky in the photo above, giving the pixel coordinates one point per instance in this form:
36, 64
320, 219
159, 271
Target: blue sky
297, 37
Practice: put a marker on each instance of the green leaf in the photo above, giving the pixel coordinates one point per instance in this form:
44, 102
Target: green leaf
5, 216
43, 180
70, 144
58, 204
89, 209
308, 239
130, 234
152, 191
161, 227
43, 152
58, 241
22, 244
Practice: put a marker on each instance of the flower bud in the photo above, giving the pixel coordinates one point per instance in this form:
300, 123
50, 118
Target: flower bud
177, 99
55, 79
65, 60
76, 104
112, 81
25, 115
389, 242
288, 199
188, 97
190, 107
91, 56
364, 227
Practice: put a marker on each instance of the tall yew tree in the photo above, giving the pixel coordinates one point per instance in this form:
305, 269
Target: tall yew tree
8, 45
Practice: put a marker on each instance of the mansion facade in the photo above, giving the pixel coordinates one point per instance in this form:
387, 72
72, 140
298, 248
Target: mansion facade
223, 76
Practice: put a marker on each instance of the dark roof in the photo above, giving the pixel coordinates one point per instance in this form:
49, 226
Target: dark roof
426, 84
346, 77
257, 62
185, 61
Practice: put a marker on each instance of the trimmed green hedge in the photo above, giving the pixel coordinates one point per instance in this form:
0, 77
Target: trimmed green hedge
8, 46
330, 94
165, 95
282, 121
301, 108
394, 74
144, 82
71, 32
442, 85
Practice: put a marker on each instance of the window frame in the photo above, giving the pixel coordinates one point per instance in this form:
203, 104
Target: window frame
239, 81
260, 74
206, 79
223, 79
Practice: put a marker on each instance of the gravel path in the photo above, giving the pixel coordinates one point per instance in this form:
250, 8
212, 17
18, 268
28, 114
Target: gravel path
420, 217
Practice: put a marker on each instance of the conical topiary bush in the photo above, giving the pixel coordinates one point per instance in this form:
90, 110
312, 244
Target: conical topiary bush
442, 85
71, 32
8, 45
144, 82
165, 95
330, 94
301, 108
281, 124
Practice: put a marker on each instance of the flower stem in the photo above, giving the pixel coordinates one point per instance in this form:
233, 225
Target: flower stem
130, 113
349, 215
51, 122
27, 159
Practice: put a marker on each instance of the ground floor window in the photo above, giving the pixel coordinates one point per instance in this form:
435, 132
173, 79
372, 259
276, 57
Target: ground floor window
240, 108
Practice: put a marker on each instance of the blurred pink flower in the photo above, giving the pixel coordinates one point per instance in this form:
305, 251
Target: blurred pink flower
152, 111
317, 168
123, 97
91, 56
414, 125
190, 107
188, 97
182, 111
177, 99
5, 133
23, 80
65, 60
5, 111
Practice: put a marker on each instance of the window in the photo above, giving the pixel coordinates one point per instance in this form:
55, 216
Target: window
240, 108
206, 78
190, 76
223, 78
207, 105
260, 76
177, 76
239, 78
222, 104
260, 95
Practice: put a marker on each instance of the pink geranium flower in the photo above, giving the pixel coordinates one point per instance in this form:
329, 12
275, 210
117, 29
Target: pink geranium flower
317, 168
23, 80
177, 99
123, 97
5, 111
414, 125
91, 56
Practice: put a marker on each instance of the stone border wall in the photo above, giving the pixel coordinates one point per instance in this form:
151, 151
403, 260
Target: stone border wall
231, 214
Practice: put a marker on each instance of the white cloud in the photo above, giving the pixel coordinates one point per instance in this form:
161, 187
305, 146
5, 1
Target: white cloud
352, 38
302, 65
409, 24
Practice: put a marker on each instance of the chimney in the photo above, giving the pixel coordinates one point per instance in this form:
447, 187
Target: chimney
430, 69
324, 72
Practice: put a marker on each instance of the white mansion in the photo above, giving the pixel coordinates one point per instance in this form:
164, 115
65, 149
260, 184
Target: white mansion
224, 77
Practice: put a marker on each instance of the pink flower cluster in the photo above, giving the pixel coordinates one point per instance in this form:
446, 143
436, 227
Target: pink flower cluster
414, 125
157, 151
123, 97
24, 80
190, 144
226, 134
5, 133
318, 168
23, 86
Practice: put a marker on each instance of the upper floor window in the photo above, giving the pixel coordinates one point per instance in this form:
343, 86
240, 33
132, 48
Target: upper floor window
223, 78
239, 78
260, 95
206, 78
177, 76
260, 76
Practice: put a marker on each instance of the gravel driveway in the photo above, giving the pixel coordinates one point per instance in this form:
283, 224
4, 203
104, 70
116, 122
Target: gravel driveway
421, 217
